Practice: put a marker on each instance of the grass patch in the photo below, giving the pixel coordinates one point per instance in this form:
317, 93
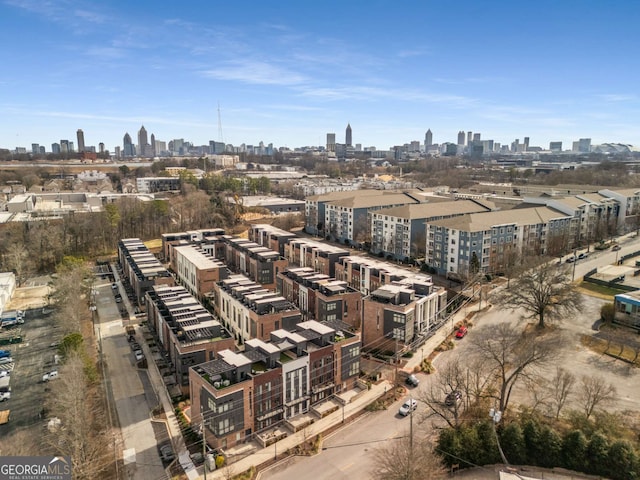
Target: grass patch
600, 290
613, 349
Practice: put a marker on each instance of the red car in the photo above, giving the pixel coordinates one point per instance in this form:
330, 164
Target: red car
462, 331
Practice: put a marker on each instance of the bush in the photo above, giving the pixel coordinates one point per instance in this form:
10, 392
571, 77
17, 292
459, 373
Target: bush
220, 461
607, 312
426, 366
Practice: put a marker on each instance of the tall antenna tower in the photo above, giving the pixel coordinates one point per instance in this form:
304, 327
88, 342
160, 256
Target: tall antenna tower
220, 137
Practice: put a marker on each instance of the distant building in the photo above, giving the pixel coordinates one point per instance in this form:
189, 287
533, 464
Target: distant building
331, 142
555, 146
80, 135
428, 139
128, 149
460, 137
347, 137
142, 140
469, 137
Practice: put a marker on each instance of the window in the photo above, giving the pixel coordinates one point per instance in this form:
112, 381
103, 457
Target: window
331, 307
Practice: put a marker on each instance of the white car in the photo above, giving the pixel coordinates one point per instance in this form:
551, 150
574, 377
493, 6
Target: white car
408, 406
6, 360
52, 375
4, 373
139, 355
5, 396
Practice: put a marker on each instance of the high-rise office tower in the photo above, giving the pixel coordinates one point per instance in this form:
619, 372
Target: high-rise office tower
526, 144
555, 146
469, 137
331, 142
461, 137
80, 135
347, 136
476, 137
153, 144
64, 146
142, 139
127, 146
101, 147
55, 148
428, 139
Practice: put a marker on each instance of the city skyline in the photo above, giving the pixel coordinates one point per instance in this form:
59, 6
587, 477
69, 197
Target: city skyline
288, 76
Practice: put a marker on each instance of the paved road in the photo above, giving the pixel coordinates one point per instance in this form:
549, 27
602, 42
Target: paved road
128, 390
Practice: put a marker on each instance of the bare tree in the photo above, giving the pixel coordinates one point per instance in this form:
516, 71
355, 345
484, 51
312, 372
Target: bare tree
539, 393
16, 258
544, 292
444, 397
595, 391
82, 434
511, 354
402, 459
561, 388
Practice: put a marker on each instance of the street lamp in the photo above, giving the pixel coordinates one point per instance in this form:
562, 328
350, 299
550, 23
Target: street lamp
496, 416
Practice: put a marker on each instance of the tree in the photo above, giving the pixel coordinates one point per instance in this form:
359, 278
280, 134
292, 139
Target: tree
448, 380
82, 435
512, 441
595, 391
561, 387
16, 259
622, 461
543, 291
574, 450
402, 460
510, 353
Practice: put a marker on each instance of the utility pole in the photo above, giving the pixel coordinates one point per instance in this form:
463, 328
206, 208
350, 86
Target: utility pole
204, 445
396, 356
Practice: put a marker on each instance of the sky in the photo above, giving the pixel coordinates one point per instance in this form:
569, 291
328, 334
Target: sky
289, 72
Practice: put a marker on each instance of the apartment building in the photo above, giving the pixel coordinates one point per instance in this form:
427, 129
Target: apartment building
322, 257
629, 209
322, 298
399, 313
241, 395
492, 242
197, 271
249, 310
141, 268
186, 332
260, 264
340, 214
399, 233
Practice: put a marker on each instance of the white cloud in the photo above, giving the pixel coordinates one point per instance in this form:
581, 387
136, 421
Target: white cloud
255, 72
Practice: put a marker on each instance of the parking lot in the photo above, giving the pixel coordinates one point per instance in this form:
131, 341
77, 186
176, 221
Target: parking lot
33, 357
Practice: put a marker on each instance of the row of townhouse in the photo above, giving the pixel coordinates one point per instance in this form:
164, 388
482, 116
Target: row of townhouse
248, 310
192, 237
298, 252
186, 331
196, 270
239, 395
402, 313
321, 297
399, 233
259, 263
141, 268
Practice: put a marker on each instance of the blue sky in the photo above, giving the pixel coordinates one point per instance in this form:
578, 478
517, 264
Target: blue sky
288, 72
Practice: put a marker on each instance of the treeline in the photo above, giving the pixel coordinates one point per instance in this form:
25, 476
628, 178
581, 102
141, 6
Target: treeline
39, 246
592, 446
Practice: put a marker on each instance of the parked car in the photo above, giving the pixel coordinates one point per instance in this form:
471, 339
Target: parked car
408, 406
452, 398
571, 259
166, 453
412, 381
6, 360
615, 248
582, 255
114, 286
52, 375
4, 373
4, 396
139, 355
462, 331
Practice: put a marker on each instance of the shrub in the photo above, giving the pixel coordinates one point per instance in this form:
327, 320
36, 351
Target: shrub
426, 366
220, 461
607, 311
